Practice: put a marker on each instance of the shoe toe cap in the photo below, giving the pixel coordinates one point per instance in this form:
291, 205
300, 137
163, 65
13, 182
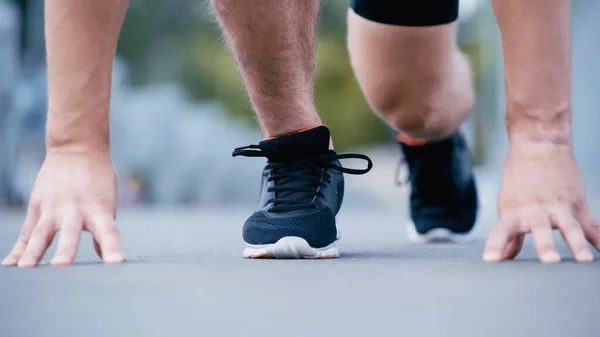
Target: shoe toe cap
317, 228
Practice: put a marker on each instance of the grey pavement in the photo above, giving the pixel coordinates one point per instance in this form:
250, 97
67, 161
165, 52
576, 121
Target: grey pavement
185, 277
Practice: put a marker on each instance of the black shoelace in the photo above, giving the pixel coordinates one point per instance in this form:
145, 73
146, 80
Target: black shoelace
297, 179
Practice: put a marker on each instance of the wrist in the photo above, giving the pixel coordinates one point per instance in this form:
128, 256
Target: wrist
543, 127
73, 133
78, 148
77, 142
537, 141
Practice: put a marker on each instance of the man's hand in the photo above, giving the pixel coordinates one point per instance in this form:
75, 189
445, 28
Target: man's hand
72, 192
542, 190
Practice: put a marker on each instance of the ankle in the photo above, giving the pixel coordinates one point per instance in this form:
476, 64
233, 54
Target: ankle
282, 127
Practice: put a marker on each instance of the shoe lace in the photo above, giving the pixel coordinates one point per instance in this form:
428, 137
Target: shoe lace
297, 179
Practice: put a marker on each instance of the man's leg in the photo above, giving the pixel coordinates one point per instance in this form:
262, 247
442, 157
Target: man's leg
413, 76
274, 43
407, 62
542, 188
76, 187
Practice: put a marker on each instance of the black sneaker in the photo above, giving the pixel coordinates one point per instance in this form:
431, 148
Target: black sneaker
443, 198
301, 193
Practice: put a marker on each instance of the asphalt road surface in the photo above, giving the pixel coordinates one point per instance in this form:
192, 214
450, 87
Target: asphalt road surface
185, 277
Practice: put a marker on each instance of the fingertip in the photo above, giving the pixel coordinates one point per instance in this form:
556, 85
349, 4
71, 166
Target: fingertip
26, 262
114, 258
9, 261
550, 257
584, 256
491, 257
61, 261
496, 242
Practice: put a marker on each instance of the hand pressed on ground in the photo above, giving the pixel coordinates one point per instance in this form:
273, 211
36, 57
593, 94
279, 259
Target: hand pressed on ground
72, 193
542, 190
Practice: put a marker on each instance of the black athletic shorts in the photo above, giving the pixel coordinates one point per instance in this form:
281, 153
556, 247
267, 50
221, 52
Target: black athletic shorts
407, 12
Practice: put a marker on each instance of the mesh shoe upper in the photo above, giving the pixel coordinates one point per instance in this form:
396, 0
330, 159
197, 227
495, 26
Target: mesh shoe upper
317, 228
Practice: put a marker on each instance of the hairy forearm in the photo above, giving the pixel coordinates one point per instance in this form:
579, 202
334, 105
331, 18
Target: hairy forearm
81, 38
537, 53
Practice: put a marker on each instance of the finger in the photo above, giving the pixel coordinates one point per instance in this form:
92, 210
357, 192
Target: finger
97, 248
19, 248
591, 231
105, 231
40, 239
68, 240
573, 235
514, 247
497, 241
541, 232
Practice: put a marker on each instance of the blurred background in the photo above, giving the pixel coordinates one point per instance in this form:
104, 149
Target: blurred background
176, 90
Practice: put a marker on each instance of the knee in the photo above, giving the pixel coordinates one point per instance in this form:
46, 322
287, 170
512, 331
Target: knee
424, 114
407, 104
425, 103
416, 116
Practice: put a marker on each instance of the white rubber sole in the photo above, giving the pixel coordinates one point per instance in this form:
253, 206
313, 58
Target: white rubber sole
291, 247
439, 235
